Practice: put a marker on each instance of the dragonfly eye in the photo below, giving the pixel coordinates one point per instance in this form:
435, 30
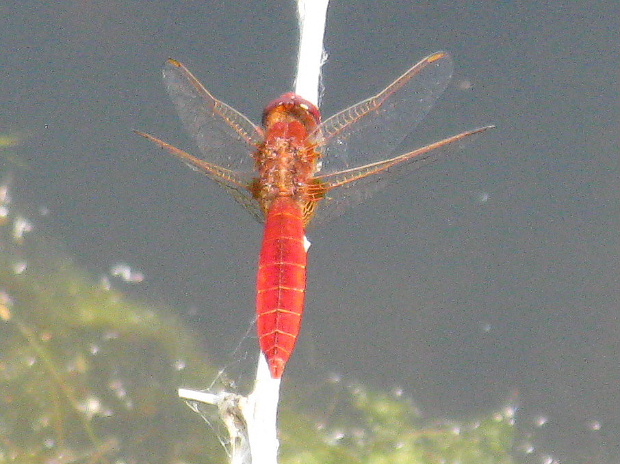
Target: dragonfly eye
291, 101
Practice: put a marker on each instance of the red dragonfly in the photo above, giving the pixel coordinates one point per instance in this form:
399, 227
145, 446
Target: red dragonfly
291, 168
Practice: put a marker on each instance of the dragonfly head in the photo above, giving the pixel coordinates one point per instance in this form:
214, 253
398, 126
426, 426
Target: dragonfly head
295, 106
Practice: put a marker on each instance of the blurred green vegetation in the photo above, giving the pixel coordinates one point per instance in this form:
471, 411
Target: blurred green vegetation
8, 142
378, 427
88, 375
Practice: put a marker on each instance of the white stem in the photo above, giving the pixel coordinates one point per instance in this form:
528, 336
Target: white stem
251, 420
312, 16
262, 408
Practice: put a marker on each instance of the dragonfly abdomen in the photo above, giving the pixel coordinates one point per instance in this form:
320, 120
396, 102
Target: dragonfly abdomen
281, 283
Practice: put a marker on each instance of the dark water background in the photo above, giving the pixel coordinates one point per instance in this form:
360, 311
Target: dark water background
492, 275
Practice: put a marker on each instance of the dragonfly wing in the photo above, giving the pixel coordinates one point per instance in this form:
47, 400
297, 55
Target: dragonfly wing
224, 136
235, 183
370, 130
352, 186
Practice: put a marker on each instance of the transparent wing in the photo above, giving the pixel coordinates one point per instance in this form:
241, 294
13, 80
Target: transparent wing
352, 186
232, 181
224, 136
370, 130
358, 143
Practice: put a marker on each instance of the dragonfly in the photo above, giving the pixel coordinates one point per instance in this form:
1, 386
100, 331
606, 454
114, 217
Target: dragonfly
296, 167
